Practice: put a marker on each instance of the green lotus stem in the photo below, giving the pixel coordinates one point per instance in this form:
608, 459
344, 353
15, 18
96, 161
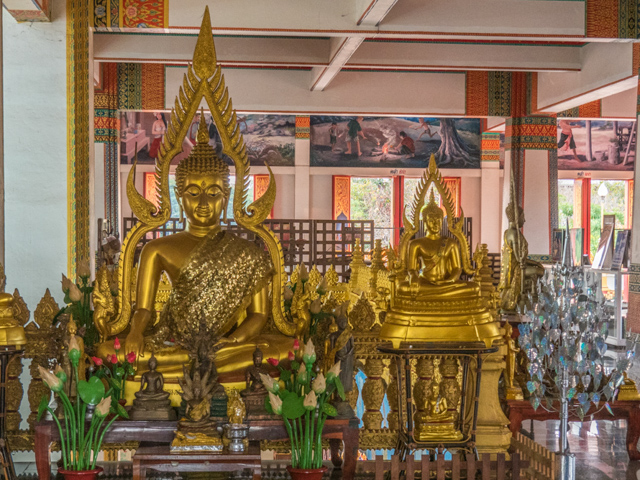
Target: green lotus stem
64, 457
93, 465
291, 437
83, 414
69, 413
87, 442
66, 422
301, 433
311, 437
95, 446
308, 438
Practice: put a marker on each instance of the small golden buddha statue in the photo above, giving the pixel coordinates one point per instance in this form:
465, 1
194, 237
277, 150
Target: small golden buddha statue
436, 422
429, 301
219, 281
514, 264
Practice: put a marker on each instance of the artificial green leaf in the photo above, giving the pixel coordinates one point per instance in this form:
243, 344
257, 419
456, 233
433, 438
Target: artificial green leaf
295, 366
114, 383
330, 410
91, 391
44, 403
339, 387
121, 410
120, 372
292, 407
267, 406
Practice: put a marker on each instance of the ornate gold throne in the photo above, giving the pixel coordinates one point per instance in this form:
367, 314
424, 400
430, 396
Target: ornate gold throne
427, 318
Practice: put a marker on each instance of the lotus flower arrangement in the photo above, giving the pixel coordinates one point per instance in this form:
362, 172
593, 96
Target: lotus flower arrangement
301, 396
80, 444
77, 297
114, 371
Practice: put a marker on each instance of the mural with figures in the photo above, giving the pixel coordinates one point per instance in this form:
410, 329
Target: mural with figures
397, 142
596, 145
269, 138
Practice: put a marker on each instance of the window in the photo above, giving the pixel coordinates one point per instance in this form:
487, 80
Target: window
410, 185
371, 199
565, 203
608, 197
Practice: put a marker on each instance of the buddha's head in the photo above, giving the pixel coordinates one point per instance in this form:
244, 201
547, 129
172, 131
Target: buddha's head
153, 363
435, 389
202, 183
511, 214
433, 215
257, 357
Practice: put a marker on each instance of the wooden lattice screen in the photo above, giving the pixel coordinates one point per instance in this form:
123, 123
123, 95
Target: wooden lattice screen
314, 242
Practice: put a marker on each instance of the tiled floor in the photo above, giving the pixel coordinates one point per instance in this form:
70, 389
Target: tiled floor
599, 448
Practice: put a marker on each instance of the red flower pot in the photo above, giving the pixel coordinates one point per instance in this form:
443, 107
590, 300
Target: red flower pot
80, 474
306, 474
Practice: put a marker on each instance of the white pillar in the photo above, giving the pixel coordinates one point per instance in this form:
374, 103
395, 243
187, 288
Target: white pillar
490, 206
537, 201
302, 187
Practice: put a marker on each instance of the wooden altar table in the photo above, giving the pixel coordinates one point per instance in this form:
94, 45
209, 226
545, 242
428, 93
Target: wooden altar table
520, 410
337, 431
160, 459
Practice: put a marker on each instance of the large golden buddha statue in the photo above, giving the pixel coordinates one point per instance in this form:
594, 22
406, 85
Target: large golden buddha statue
224, 288
430, 302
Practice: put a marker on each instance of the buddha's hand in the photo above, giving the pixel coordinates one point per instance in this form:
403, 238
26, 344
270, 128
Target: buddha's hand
224, 341
134, 343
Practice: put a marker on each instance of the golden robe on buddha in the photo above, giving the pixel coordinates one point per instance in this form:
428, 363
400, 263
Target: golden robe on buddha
212, 290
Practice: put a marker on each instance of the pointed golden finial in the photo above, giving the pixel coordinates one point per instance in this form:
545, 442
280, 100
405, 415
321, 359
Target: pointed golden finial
433, 166
202, 136
204, 56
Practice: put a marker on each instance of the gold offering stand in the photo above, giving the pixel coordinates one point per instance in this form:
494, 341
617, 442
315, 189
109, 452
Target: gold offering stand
465, 352
8, 353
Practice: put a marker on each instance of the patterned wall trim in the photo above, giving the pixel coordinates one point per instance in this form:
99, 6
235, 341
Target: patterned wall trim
477, 94
633, 317
499, 94
490, 147
588, 110
531, 133
111, 161
602, 18
341, 197
41, 12
532, 92
116, 14
78, 246
105, 101
303, 127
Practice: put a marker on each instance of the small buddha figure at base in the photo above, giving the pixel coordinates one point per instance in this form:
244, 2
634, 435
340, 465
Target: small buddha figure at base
152, 402
436, 422
255, 392
196, 431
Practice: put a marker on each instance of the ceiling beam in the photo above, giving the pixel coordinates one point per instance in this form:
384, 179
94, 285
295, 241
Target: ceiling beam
344, 48
342, 51
375, 12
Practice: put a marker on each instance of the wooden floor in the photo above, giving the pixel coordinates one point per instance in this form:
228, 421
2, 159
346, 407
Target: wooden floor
599, 448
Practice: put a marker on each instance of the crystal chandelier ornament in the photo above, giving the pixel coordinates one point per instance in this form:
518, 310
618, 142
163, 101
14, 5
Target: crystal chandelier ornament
563, 334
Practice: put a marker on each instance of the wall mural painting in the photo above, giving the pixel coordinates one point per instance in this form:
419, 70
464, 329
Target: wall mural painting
398, 142
596, 145
269, 138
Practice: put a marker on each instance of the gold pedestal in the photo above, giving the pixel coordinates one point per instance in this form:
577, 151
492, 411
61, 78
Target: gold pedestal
514, 393
628, 390
492, 433
471, 324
